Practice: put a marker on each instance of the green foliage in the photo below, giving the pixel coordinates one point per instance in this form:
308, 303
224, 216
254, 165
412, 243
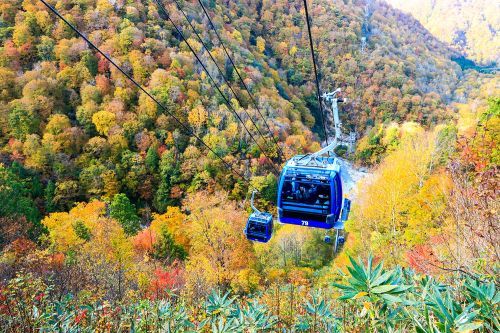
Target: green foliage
429, 307
16, 200
22, 121
225, 315
45, 49
493, 108
91, 179
371, 151
166, 250
485, 295
451, 315
5, 32
124, 212
375, 283
67, 192
341, 150
127, 37
268, 188
152, 158
395, 298
81, 230
90, 61
169, 176
319, 316
446, 143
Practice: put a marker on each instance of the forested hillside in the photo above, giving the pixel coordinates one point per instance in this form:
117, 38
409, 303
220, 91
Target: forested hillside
114, 216
395, 64
470, 26
78, 123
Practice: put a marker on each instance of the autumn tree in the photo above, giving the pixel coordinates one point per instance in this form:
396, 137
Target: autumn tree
402, 200
103, 121
469, 241
176, 223
166, 250
98, 244
217, 243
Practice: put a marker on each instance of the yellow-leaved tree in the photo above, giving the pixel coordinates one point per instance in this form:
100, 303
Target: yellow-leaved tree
398, 206
103, 121
97, 245
175, 222
219, 250
68, 231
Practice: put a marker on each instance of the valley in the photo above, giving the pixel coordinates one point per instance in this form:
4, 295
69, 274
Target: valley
127, 163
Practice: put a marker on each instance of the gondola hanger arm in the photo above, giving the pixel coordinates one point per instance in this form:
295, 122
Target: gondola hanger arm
255, 210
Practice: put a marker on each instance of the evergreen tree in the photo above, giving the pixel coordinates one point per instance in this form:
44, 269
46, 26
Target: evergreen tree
152, 159
81, 230
166, 249
170, 175
124, 212
16, 201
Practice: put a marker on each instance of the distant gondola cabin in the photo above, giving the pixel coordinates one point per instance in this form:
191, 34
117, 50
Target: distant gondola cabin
259, 227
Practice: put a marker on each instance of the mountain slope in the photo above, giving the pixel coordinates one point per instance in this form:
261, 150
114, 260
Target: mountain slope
471, 26
86, 132
403, 72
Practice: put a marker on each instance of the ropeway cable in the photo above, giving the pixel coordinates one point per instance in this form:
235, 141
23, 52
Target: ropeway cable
318, 92
226, 80
214, 84
240, 78
185, 127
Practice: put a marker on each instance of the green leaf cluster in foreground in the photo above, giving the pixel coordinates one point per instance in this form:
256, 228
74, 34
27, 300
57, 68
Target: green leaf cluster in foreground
370, 299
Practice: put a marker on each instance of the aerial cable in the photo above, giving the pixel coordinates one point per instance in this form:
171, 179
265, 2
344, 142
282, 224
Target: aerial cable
318, 92
185, 127
214, 84
240, 78
218, 68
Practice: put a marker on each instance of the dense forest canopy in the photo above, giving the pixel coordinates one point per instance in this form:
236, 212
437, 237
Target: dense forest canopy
76, 121
112, 209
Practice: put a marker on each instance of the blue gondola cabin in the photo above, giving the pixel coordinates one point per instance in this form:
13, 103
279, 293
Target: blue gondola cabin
259, 227
310, 194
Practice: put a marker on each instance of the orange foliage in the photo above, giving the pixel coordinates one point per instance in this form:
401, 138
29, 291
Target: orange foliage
166, 281
57, 259
102, 82
21, 247
422, 259
175, 222
144, 240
